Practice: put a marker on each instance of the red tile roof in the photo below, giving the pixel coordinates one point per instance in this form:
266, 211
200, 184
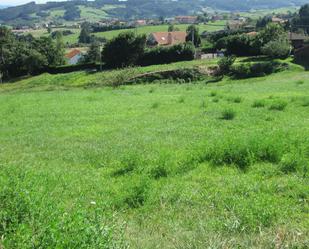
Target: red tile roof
170, 38
72, 53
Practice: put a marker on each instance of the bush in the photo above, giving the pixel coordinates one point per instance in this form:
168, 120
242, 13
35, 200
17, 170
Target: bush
247, 70
241, 71
277, 49
124, 50
226, 63
164, 55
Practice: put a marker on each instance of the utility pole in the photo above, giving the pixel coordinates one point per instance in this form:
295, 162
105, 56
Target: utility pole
101, 57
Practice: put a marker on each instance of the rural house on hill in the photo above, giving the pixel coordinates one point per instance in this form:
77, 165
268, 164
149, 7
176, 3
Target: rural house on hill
73, 56
166, 38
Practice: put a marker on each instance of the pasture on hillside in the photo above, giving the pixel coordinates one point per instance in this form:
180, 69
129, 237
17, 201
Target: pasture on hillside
162, 165
73, 38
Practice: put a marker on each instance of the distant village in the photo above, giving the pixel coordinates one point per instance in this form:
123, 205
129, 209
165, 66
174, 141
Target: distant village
232, 21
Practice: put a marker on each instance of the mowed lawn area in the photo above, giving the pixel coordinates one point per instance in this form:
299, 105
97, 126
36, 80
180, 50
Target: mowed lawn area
220, 165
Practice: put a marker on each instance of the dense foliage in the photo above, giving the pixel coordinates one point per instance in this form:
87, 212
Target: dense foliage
164, 55
27, 55
257, 44
124, 50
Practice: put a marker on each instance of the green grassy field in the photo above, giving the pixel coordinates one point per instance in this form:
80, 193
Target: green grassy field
219, 25
164, 165
71, 39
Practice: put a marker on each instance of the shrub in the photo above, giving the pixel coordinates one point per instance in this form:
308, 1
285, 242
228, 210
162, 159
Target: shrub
278, 105
277, 49
247, 70
228, 114
164, 55
241, 71
226, 63
124, 50
258, 104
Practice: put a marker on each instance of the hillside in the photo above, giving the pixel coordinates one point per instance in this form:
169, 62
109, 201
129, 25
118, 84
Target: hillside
162, 165
94, 10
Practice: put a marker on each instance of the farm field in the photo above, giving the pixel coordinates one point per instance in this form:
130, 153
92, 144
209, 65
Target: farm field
162, 165
73, 38
218, 25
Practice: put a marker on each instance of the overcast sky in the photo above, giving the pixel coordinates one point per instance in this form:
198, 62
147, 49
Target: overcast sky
18, 2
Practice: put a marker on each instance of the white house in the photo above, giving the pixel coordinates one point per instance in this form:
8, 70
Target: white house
73, 56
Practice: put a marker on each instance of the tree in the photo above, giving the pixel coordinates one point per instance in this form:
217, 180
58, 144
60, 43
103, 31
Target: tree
193, 35
94, 54
271, 32
304, 16
35, 61
172, 28
85, 36
72, 12
124, 50
226, 63
262, 22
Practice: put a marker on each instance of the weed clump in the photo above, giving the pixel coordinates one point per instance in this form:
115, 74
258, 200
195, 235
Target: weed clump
158, 172
291, 163
278, 105
300, 82
213, 94
305, 102
244, 152
228, 114
181, 100
136, 194
155, 105
258, 104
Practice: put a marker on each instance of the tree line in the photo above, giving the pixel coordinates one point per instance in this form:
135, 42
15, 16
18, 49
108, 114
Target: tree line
23, 55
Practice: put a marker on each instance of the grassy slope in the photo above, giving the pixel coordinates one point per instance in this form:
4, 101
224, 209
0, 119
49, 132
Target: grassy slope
134, 151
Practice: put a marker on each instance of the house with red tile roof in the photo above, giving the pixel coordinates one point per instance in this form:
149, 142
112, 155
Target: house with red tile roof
74, 56
166, 38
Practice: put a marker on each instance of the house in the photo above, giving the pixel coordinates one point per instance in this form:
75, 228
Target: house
235, 24
297, 40
252, 33
140, 23
73, 56
302, 54
186, 19
278, 20
166, 38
